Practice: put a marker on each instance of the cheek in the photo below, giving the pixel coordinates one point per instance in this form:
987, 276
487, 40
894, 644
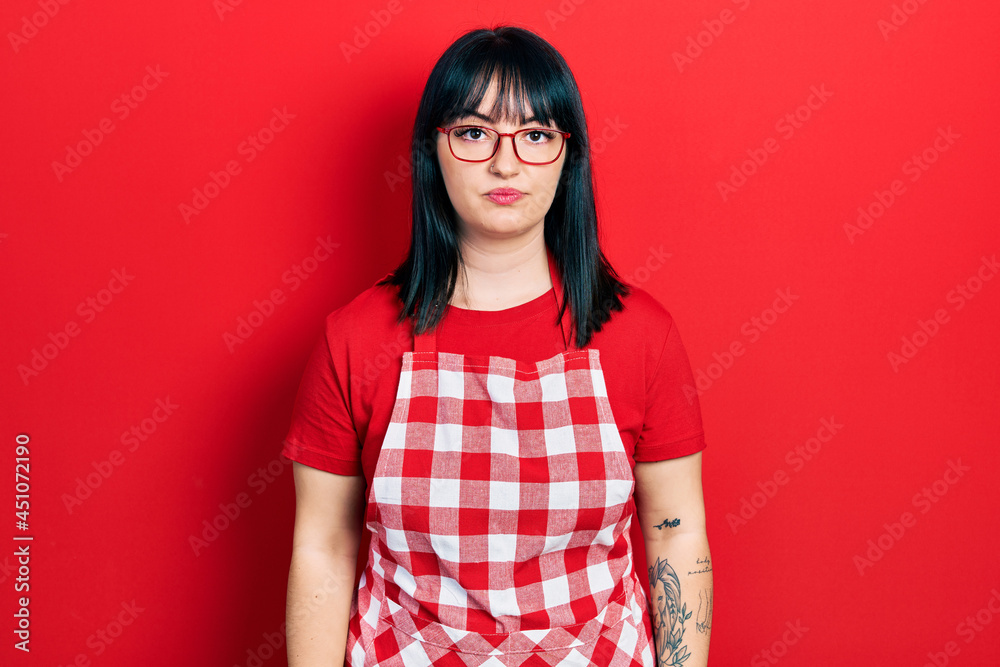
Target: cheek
449, 170
461, 192
553, 176
550, 184
451, 178
455, 181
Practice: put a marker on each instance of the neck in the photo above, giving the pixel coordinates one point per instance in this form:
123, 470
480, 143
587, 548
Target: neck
498, 278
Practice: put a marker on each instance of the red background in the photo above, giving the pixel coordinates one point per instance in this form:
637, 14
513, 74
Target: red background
672, 129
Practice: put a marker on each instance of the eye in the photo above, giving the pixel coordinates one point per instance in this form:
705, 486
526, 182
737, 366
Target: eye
539, 136
471, 133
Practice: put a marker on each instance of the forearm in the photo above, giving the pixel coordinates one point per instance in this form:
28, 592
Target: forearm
680, 602
320, 589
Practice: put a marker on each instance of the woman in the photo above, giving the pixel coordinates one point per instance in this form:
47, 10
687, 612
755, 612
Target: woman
493, 466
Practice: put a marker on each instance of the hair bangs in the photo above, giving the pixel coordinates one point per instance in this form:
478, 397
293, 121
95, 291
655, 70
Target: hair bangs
517, 82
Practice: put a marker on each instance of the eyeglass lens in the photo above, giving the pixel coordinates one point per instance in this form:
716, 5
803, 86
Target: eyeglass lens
533, 144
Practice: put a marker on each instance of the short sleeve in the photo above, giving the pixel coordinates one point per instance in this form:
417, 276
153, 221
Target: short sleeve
322, 433
672, 426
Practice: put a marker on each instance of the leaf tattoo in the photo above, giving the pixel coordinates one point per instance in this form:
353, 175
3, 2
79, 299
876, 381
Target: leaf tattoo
668, 615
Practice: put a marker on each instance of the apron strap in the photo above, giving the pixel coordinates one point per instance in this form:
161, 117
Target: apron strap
427, 342
565, 322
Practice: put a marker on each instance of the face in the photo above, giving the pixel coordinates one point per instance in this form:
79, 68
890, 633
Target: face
469, 183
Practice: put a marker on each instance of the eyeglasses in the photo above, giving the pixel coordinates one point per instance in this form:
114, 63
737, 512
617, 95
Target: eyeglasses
535, 145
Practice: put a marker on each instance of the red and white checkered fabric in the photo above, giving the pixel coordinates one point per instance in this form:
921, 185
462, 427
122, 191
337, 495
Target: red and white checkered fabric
499, 511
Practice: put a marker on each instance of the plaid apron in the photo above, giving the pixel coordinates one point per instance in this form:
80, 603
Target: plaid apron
499, 512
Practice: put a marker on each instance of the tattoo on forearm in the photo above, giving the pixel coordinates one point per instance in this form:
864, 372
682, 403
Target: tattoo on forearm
668, 615
668, 524
703, 620
704, 565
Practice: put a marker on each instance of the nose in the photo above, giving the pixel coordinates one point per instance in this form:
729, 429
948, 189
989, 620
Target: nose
505, 162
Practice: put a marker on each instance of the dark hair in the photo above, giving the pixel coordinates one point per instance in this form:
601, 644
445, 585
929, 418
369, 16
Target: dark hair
526, 66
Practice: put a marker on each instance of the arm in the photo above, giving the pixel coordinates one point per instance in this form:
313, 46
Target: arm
671, 511
324, 558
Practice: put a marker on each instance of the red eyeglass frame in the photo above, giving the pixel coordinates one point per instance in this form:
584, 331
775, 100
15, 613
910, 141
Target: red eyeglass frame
446, 131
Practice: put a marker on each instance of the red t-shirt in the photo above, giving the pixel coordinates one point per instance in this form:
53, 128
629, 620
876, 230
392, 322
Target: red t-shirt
346, 395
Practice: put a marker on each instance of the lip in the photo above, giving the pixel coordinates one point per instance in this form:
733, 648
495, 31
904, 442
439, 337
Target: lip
504, 195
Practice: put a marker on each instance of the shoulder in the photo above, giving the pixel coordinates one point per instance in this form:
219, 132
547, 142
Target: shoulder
375, 303
367, 325
644, 317
643, 337
364, 342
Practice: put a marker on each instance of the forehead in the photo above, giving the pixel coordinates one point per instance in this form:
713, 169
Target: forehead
510, 109
513, 108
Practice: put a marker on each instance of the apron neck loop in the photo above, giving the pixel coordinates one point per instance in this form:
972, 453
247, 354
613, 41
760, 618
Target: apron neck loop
565, 322
427, 342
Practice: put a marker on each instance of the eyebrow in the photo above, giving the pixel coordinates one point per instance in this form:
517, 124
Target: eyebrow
472, 112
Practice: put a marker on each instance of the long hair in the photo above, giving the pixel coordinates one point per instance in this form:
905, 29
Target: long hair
526, 67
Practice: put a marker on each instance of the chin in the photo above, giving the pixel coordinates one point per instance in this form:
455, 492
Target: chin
506, 224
